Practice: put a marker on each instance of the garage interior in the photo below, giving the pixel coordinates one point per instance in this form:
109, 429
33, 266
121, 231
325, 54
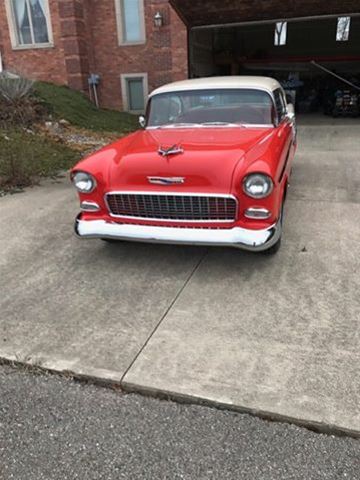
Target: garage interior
301, 54
306, 45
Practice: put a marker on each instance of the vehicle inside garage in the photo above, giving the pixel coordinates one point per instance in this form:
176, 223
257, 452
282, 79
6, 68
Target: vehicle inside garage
313, 48
312, 58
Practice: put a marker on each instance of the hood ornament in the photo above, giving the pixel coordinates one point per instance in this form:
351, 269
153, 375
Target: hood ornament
166, 180
174, 150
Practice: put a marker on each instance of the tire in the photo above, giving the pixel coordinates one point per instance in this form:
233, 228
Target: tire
276, 247
110, 240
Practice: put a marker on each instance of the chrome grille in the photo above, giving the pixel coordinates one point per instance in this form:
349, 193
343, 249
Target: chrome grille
173, 207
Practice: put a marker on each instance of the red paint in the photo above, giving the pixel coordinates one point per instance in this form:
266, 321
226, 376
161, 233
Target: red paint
215, 160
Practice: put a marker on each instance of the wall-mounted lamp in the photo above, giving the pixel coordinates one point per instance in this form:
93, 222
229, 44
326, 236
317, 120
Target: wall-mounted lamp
158, 20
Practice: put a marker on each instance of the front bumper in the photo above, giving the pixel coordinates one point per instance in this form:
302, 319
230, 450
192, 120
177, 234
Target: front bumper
252, 240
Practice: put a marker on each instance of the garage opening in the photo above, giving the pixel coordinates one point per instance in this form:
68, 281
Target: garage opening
316, 60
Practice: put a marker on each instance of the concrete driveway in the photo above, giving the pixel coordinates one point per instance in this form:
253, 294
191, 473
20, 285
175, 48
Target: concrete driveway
276, 335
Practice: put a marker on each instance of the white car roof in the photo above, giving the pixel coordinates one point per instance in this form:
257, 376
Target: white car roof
262, 83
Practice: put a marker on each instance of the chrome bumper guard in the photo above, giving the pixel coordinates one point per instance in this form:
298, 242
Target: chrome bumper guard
252, 240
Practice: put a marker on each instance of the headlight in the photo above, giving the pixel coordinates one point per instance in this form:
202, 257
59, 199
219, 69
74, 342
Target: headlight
257, 185
84, 182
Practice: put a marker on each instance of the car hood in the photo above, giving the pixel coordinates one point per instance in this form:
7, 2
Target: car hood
208, 159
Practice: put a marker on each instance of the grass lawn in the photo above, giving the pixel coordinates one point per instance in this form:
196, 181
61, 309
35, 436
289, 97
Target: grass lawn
79, 111
24, 158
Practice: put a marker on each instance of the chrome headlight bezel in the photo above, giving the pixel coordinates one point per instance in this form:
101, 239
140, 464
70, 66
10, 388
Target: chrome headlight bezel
84, 182
268, 185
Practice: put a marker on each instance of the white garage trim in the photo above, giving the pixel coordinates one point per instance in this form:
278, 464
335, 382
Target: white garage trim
274, 20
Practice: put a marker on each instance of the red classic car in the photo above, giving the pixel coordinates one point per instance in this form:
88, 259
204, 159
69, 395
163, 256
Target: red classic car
210, 166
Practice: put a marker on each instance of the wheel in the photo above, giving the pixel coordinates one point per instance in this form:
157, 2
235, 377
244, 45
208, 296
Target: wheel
110, 240
276, 247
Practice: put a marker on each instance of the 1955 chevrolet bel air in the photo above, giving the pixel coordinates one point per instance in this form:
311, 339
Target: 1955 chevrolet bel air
210, 166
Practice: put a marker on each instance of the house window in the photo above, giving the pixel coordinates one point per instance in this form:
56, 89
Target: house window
343, 29
134, 91
130, 21
29, 22
280, 33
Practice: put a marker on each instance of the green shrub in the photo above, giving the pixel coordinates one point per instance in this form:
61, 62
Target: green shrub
23, 112
14, 87
18, 108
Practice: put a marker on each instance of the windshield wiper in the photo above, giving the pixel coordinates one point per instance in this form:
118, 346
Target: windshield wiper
197, 125
179, 125
227, 124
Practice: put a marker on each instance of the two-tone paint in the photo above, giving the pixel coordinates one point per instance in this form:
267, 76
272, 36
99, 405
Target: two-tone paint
212, 160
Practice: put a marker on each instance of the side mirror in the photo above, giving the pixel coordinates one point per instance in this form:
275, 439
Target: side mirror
290, 111
142, 121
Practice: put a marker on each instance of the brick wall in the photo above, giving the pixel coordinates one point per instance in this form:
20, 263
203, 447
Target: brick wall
75, 26
163, 57
41, 63
179, 43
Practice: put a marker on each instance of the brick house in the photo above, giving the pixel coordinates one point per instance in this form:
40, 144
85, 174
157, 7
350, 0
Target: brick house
63, 41
137, 45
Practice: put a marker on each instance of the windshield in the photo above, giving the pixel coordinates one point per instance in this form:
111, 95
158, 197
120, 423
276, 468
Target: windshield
238, 107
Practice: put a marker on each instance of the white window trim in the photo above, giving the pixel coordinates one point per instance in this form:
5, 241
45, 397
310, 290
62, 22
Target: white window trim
124, 91
13, 29
119, 24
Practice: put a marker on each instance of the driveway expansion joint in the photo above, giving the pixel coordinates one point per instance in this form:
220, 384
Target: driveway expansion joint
191, 274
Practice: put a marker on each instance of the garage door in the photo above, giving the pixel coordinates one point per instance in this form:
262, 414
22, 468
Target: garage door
221, 12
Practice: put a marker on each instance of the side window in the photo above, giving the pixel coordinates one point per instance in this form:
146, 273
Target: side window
280, 104
285, 102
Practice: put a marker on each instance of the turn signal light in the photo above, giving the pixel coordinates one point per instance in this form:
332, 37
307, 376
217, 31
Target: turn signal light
257, 213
